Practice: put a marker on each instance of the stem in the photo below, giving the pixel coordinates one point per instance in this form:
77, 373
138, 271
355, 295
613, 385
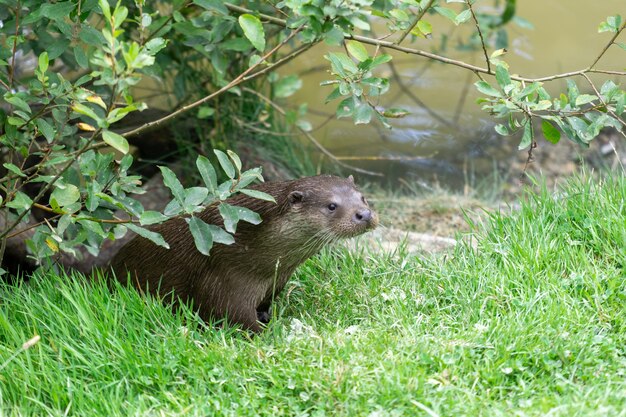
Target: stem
18, 8
604, 103
607, 46
480, 33
49, 185
243, 77
417, 19
309, 136
440, 58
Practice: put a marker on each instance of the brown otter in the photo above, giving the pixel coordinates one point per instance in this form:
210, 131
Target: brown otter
238, 282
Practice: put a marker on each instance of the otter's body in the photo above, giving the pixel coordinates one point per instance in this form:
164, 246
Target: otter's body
239, 281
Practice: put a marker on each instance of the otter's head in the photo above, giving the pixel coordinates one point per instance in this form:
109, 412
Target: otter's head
331, 207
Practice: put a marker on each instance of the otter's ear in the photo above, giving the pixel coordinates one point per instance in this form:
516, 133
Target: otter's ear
296, 197
351, 179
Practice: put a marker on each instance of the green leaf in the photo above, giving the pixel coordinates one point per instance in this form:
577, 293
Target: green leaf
235, 158
81, 57
463, 17
14, 169
220, 235
502, 130
194, 196
357, 50
205, 111
207, 172
17, 102
487, 89
258, 194
345, 108
116, 141
363, 114
230, 217
91, 36
253, 30
215, 5
550, 132
202, 235
336, 93
149, 217
395, 113
585, 98
502, 76
225, 163
82, 109
64, 194
20, 201
380, 59
119, 15
57, 11
304, 125
450, 14
148, 234
171, 182
527, 138
572, 90
425, 27
334, 37
43, 62
286, 86
399, 14
247, 215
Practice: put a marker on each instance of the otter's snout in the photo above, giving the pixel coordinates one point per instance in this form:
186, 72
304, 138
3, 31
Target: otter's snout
363, 216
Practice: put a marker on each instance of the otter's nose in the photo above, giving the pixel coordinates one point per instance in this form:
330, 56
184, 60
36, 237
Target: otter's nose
363, 216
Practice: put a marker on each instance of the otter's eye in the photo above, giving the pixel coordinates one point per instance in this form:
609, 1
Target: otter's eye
363, 200
332, 206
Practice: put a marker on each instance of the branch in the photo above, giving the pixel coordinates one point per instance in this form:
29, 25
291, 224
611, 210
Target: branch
480, 33
608, 109
440, 58
49, 185
405, 90
417, 19
608, 45
309, 136
243, 77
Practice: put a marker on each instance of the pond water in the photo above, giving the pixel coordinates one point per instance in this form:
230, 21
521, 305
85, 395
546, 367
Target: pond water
446, 131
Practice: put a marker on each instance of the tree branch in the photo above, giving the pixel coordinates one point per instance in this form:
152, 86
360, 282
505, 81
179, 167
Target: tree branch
440, 58
608, 45
309, 136
480, 33
415, 21
243, 77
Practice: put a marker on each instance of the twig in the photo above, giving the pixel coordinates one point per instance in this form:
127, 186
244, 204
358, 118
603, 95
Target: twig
405, 90
440, 58
608, 45
240, 79
18, 8
414, 22
270, 19
530, 158
604, 103
480, 33
49, 185
309, 136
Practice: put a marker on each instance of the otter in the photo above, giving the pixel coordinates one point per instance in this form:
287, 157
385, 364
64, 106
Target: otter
238, 282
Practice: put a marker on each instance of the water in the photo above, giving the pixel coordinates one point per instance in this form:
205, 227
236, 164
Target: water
440, 140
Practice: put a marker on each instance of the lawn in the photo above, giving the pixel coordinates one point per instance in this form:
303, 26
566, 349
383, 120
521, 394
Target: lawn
530, 320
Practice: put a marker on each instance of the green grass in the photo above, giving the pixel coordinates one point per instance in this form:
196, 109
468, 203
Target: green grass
530, 322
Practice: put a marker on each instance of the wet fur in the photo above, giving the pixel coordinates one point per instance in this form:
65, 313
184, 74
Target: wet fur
239, 281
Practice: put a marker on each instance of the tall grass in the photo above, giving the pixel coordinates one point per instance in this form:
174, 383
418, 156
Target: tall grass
529, 322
